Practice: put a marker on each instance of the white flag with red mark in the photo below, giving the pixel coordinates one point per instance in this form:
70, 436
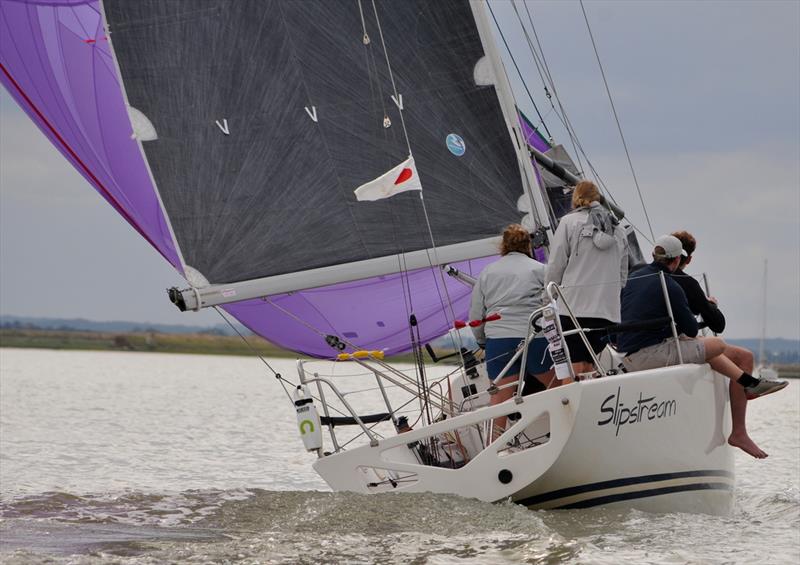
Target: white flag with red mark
402, 178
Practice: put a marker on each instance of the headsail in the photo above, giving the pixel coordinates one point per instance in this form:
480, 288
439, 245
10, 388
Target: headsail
305, 104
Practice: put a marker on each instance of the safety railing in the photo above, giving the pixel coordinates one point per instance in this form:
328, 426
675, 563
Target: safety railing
434, 396
385, 376
554, 291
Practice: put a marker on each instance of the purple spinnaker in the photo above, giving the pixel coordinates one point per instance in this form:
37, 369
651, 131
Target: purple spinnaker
56, 63
532, 135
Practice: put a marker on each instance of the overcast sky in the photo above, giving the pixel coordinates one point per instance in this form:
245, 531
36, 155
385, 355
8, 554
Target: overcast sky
708, 94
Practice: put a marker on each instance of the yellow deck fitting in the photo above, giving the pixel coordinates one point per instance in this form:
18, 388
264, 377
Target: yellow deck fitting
361, 354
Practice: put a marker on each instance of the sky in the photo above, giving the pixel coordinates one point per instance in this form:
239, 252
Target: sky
708, 97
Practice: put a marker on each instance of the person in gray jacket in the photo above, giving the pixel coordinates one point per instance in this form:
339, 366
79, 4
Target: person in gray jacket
589, 260
512, 286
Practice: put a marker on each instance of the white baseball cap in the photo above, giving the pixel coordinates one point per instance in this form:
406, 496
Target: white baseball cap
671, 245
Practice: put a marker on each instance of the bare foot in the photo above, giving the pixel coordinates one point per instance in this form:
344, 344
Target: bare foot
743, 442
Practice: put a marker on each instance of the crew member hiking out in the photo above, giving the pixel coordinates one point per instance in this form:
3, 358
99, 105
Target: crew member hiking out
707, 308
643, 299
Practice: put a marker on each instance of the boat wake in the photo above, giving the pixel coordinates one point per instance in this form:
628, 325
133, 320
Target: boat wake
132, 508
272, 526
265, 510
323, 527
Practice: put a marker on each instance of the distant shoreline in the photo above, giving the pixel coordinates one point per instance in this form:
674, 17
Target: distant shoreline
148, 342
154, 342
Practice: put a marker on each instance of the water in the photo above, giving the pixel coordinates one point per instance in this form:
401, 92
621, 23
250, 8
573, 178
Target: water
152, 458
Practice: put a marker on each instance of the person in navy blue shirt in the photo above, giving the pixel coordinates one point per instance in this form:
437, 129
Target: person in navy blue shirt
707, 308
643, 300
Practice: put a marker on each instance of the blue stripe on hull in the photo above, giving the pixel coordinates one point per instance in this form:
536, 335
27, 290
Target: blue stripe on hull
628, 481
644, 494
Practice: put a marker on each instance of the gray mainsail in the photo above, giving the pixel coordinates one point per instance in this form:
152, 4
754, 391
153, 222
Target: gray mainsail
268, 114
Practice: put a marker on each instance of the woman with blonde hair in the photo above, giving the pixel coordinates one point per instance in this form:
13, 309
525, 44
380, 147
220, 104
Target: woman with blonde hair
512, 286
589, 260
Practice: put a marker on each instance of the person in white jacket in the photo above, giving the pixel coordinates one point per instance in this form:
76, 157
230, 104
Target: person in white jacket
513, 287
589, 260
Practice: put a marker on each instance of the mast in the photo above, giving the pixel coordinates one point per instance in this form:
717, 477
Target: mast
509, 108
761, 360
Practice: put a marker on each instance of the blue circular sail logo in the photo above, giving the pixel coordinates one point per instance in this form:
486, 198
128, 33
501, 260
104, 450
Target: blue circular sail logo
455, 144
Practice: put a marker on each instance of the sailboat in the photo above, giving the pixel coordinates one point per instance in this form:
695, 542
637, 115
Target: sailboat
764, 368
232, 136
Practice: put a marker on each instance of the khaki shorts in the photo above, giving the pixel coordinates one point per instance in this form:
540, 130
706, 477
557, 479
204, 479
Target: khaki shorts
665, 353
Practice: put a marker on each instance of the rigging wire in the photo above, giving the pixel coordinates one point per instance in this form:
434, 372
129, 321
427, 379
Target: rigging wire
541, 63
519, 72
275, 373
391, 76
543, 60
616, 118
561, 112
365, 37
547, 79
369, 55
562, 115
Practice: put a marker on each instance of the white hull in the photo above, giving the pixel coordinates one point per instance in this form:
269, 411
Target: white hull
653, 440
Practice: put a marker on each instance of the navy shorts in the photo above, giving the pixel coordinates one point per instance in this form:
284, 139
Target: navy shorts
499, 352
577, 349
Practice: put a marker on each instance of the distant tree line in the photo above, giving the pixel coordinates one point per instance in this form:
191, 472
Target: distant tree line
18, 325
780, 357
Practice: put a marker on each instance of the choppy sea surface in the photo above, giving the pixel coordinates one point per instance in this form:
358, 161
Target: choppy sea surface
154, 458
